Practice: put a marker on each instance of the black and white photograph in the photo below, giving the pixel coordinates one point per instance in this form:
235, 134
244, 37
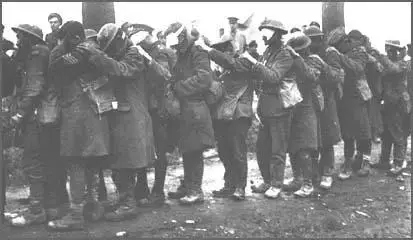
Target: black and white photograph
129, 120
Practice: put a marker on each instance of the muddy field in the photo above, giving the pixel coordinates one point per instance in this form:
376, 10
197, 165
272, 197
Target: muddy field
377, 206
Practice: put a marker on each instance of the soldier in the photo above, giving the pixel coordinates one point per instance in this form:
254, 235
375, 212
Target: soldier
332, 75
294, 29
353, 114
238, 39
159, 64
33, 55
275, 111
131, 125
396, 108
95, 186
374, 72
304, 142
314, 24
85, 101
193, 78
233, 117
55, 21
252, 50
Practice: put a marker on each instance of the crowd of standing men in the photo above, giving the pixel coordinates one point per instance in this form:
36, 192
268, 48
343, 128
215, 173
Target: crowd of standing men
123, 97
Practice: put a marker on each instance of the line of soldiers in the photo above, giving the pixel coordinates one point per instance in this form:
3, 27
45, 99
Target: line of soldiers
119, 98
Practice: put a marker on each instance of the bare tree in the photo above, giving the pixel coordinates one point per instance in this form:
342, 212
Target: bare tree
333, 15
96, 14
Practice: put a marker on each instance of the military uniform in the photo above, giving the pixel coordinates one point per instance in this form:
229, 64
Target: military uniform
34, 79
329, 123
193, 78
396, 111
231, 132
84, 129
353, 112
51, 40
157, 77
374, 78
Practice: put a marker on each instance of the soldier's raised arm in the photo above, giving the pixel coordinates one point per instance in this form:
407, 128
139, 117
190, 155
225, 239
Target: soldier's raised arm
275, 72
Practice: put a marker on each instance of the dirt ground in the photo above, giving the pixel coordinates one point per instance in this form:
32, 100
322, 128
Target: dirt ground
377, 206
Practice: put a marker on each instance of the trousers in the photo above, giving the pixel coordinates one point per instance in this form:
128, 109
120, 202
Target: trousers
272, 146
56, 176
232, 150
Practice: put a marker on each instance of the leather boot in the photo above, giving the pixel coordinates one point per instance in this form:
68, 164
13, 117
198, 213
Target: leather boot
224, 192
155, 199
35, 214
180, 192
73, 221
192, 197
262, 188
345, 171
239, 194
365, 166
383, 164
296, 183
125, 211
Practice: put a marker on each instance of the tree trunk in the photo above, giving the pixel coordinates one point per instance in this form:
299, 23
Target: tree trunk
97, 14
333, 15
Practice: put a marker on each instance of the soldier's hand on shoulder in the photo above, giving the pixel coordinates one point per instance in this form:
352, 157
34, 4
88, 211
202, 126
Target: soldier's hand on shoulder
332, 49
248, 56
201, 43
292, 51
69, 59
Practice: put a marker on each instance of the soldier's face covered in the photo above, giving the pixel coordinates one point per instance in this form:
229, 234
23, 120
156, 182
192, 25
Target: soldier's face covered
271, 37
316, 44
70, 42
344, 45
118, 45
178, 40
23, 46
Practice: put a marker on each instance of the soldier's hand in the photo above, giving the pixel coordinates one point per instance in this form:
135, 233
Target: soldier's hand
379, 67
248, 56
332, 49
201, 43
292, 51
69, 59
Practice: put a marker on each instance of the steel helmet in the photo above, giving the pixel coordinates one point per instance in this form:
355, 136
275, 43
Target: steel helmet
274, 25
33, 30
106, 35
299, 42
336, 35
313, 31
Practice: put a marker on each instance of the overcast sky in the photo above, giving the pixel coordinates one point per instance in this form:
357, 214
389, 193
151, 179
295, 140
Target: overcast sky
379, 20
